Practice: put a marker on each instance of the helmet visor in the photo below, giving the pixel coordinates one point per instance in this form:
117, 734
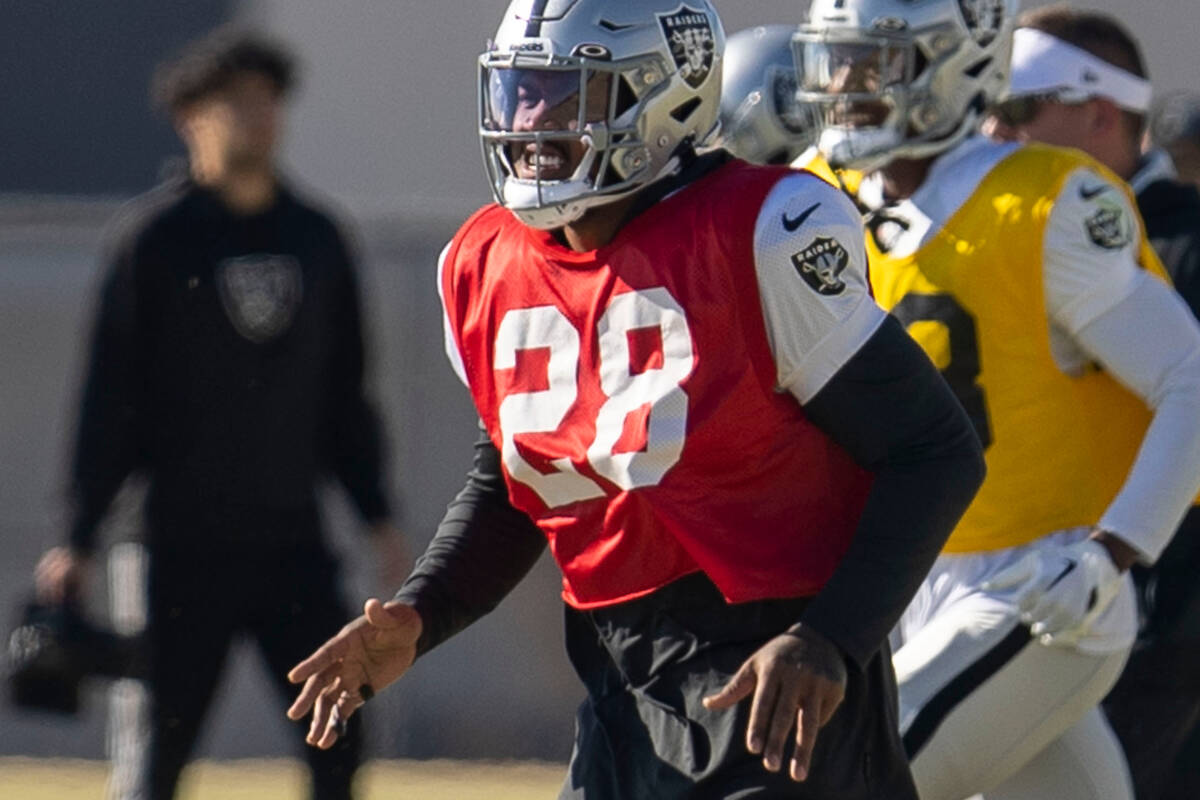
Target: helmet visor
527, 100
867, 68
546, 124
856, 84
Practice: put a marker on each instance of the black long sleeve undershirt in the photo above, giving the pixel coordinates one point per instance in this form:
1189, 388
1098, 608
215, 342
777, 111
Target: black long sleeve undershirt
481, 551
892, 411
888, 407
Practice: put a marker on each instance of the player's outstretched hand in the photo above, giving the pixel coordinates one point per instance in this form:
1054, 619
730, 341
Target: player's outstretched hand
365, 656
798, 680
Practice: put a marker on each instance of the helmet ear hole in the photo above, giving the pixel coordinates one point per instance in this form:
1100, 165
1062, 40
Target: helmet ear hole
626, 98
684, 110
976, 69
920, 62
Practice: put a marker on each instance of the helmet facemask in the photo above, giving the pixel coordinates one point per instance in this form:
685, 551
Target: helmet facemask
940, 64
560, 134
863, 89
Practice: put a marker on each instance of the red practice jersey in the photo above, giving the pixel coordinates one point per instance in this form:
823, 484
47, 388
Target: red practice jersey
646, 397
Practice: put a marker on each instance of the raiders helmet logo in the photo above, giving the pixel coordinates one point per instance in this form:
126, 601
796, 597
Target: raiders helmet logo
984, 19
260, 293
1108, 227
689, 36
821, 263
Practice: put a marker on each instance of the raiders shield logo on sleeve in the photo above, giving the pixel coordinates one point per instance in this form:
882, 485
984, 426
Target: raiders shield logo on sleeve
1108, 227
690, 38
821, 263
260, 294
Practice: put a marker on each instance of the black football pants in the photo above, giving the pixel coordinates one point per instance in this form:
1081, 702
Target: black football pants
643, 732
284, 597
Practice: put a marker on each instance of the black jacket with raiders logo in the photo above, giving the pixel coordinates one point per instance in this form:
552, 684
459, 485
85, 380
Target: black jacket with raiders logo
226, 364
1171, 210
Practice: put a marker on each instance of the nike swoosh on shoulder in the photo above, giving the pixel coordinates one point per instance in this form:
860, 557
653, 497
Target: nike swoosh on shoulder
791, 223
1088, 192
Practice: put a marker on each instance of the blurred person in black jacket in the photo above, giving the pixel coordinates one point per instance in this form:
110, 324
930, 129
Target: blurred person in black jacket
226, 366
1175, 128
1099, 106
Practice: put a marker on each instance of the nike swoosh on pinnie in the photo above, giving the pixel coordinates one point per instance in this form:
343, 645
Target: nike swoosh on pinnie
1088, 192
790, 224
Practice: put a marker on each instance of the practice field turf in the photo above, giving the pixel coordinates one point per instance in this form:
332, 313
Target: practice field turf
54, 779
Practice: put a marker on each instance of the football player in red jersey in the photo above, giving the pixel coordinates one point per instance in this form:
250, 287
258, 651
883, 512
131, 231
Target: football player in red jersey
742, 466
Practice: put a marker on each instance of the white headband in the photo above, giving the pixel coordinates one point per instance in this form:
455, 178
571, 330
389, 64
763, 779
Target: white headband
1042, 63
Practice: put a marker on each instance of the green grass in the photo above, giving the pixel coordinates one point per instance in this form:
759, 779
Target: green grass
61, 779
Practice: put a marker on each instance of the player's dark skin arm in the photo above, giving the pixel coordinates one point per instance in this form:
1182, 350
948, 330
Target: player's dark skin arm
888, 407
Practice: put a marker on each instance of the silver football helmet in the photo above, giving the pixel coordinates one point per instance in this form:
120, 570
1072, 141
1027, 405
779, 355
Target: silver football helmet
761, 120
583, 102
901, 78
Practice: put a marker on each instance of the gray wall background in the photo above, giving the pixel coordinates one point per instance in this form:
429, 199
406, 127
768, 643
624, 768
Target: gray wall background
384, 127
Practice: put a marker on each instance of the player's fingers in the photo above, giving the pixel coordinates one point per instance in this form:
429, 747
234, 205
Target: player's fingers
374, 611
342, 706
322, 658
782, 717
762, 709
393, 615
313, 686
739, 686
335, 728
808, 722
319, 730
1050, 616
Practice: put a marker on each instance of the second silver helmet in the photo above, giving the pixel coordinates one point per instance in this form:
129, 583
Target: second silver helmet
761, 120
901, 78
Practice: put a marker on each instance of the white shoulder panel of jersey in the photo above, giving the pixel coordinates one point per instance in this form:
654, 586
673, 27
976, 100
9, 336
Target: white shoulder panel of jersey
811, 261
449, 342
1091, 248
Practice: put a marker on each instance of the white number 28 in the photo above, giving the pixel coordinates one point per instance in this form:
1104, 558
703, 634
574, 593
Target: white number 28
544, 411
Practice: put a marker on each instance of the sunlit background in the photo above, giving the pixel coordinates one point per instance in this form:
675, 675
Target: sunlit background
383, 128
